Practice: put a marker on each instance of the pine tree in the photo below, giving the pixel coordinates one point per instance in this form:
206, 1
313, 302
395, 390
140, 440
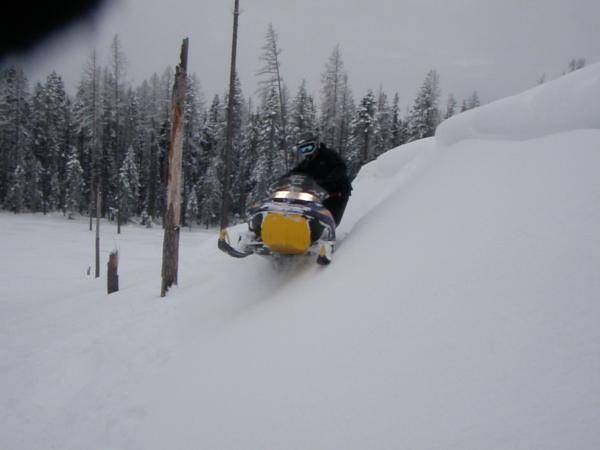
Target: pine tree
383, 125
74, 184
248, 159
113, 101
212, 149
87, 114
129, 186
237, 163
269, 165
33, 175
153, 183
473, 101
273, 81
331, 82
192, 145
541, 79
107, 162
57, 110
450, 107
149, 95
303, 116
363, 126
396, 123
133, 134
15, 199
347, 109
52, 130
191, 209
576, 64
39, 141
15, 118
424, 116
212, 188
118, 62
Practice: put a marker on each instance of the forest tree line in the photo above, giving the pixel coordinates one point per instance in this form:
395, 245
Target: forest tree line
57, 150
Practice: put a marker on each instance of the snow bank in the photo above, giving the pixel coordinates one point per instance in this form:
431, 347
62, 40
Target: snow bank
460, 312
568, 103
465, 303
392, 171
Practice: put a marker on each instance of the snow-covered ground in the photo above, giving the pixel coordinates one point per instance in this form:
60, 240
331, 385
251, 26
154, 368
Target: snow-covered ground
461, 311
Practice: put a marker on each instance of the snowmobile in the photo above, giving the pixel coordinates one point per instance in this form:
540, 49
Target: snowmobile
290, 221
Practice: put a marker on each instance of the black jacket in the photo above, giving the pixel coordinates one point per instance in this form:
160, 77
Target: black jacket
329, 170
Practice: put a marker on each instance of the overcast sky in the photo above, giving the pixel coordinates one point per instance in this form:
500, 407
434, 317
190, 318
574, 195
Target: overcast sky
497, 47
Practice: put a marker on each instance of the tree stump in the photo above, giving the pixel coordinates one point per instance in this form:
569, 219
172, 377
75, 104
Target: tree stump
112, 272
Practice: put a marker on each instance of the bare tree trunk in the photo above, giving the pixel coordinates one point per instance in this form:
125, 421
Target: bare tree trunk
119, 216
91, 207
226, 197
170, 260
93, 168
98, 209
112, 272
282, 117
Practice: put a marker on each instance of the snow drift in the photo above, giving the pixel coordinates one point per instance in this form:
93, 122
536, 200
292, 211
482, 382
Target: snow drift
567, 103
461, 311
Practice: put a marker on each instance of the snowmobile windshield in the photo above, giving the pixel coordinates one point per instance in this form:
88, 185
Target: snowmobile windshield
297, 187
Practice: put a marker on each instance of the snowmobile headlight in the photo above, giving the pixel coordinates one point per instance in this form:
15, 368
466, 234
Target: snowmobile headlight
288, 195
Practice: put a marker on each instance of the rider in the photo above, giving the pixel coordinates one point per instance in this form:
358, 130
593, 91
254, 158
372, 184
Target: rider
328, 170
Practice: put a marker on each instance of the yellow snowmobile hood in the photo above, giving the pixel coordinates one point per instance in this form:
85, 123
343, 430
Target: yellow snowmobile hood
287, 234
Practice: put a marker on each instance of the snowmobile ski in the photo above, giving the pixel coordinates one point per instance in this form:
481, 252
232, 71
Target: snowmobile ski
224, 246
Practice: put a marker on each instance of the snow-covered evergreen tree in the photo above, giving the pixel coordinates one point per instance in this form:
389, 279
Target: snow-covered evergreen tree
424, 116
450, 107
118, 62
192, 145
364, 127
303, 116
108, 165
331, 82
14, 125
269, 162
271, 80
86, 113
236, 163
57, 110
464, 106
396, 137
133, 133
383, 118
211, 187
129, 185
149, 95
576, 64
74, 184
347, 109
15, 199
248, 160
191, 208
473, 101
51, 134
113, 101
33, 175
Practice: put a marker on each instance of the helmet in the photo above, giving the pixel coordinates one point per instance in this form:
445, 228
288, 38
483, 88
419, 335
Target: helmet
307, 149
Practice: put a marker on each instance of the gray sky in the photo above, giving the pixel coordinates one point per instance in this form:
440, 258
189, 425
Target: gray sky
497, 47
